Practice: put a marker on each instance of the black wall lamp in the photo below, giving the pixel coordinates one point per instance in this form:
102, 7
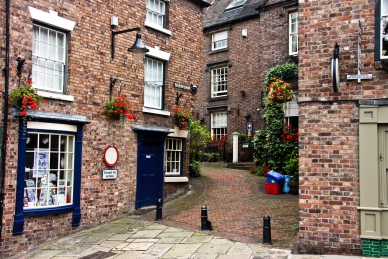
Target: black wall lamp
247, 116
138, 49
202, 119
242, 92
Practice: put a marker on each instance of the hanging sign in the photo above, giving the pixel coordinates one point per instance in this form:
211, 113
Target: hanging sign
249, 128
359, 76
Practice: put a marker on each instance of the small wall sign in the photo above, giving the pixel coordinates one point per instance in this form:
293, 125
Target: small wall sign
181, 86
109, 174
111, 156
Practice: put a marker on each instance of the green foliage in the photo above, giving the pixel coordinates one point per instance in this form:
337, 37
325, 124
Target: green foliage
284, 71
271, 150
199, 136
292, 166
195, 169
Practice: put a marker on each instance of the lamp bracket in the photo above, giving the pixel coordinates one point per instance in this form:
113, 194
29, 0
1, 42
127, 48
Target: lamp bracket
178, 96
20, 66
112, 83
120, 32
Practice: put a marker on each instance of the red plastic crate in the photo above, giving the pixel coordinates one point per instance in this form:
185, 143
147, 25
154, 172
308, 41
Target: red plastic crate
273, 188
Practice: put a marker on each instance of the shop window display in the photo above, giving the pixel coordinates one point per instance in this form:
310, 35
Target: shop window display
49, 170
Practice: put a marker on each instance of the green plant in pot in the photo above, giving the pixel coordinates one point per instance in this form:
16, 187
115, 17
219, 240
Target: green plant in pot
292, 169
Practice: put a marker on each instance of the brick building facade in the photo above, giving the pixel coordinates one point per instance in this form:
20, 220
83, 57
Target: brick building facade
52, 167
242, 41
343, 180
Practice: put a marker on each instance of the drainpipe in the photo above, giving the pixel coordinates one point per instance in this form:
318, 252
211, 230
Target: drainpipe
5, 119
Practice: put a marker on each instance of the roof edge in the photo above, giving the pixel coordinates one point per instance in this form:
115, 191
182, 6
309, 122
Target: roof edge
241, 19
201, 3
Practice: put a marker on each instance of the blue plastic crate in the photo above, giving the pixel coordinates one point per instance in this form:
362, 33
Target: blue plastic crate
274, 177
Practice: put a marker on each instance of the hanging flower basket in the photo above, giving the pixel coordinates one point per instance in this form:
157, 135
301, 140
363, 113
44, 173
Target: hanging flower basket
183, 118
279, 92
25, 98
119, 108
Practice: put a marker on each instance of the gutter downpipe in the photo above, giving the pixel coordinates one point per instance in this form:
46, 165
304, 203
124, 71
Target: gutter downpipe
5, 118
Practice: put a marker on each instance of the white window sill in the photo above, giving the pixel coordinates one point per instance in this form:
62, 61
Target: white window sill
176, 179
155, 111
61, 97
157, 27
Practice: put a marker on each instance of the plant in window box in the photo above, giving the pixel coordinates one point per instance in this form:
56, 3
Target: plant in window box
183, 118
279, 92
26, 98
119, 108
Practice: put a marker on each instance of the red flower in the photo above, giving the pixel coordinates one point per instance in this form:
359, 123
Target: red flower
23, 113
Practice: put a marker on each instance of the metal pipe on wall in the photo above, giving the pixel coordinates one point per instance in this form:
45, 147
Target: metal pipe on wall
5, 118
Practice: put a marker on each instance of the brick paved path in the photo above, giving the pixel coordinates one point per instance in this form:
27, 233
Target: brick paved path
236, 202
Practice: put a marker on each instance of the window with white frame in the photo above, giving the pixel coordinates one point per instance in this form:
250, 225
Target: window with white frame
156, 12
219, 40
235, 3
49, 170
219, 122
293, 29
153, 88
48, 59
219, 81
173, 157
382, 30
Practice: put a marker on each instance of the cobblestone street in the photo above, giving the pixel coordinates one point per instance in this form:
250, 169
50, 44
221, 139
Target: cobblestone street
236, 202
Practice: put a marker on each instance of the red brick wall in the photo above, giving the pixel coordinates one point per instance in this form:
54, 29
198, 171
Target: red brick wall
328, 122
89, 69
265, 47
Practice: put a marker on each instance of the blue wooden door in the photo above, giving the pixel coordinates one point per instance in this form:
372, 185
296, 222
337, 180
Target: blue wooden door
149, 174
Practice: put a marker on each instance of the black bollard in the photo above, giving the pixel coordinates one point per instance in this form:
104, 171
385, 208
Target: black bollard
159, 206
204, 221
267, 230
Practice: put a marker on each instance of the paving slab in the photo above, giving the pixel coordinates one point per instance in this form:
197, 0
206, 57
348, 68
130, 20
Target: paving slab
176, 234
170, 240
181, 251
158, 250
119, 237
147, 233
197, 239
239, 248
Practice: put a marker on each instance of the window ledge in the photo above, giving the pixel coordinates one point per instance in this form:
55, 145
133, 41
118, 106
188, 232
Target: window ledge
155, 111
212, 99
157, 27
176, 179
218, 51
61, 97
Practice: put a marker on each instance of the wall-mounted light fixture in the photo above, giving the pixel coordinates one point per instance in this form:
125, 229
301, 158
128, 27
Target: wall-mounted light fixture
193, 89
202, 119
138, 49
247, 116
242, 92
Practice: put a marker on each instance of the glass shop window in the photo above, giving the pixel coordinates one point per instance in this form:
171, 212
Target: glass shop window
49, 170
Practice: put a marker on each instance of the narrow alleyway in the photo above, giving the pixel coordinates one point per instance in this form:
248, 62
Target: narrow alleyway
236, 202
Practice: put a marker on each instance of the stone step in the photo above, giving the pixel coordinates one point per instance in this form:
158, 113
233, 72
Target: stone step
241, 166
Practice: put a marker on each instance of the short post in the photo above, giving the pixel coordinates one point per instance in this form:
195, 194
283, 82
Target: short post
204, 224
159, 206
267, 230
235, 147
